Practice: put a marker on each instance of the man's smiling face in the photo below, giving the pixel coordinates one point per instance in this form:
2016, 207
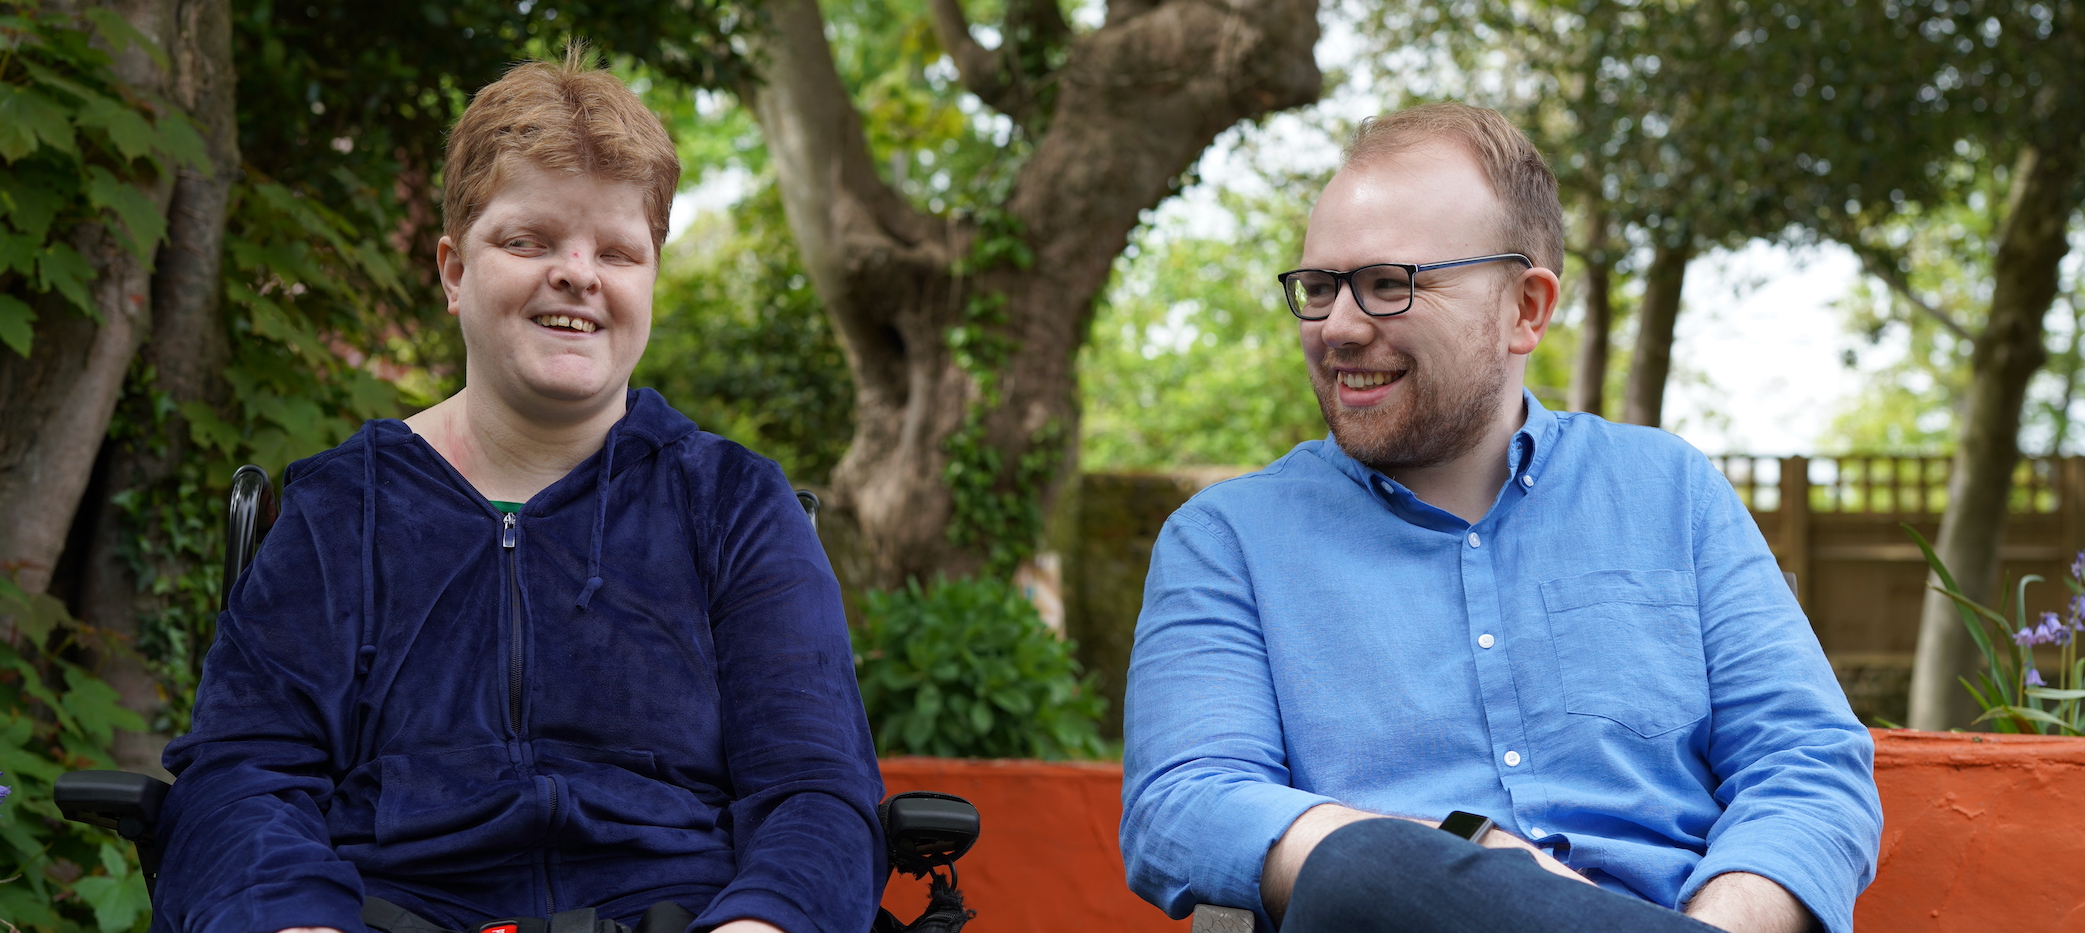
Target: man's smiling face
553, 288
1420, 388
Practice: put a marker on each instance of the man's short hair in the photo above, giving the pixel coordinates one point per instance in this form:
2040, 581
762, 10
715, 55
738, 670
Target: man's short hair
562, 117
1532, 221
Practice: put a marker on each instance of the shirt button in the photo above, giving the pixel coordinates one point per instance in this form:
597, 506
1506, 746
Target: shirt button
1475, 541
1512, 759
1485, 640
1537, 832
1527, 481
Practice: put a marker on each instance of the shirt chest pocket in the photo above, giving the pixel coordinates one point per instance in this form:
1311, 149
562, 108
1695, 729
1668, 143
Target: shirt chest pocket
1628, 646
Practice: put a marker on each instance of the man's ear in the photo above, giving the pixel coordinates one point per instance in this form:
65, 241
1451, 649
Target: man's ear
448, 260
1534, 299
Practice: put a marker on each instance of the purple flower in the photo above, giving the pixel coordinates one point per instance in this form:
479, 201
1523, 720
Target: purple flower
2051, 631
2023, 637
2077, 611
2034, 678
2078, 567
4, 791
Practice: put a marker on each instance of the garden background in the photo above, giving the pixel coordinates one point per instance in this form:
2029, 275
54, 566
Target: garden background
1000, 245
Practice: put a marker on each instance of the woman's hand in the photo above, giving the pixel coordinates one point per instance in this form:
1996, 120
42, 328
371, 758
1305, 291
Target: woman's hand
747, 926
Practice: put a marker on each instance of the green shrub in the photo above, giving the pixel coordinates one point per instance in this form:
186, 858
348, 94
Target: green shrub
967, 669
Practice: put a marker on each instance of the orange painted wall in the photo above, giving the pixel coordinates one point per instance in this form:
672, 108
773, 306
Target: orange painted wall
1046, 860
1981, 833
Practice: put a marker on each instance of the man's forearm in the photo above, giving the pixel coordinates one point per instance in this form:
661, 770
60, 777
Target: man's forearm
1742, 902
1285, 858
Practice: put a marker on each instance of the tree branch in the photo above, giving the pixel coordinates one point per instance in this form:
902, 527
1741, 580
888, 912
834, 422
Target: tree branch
1873, 262
983, 72
842, 214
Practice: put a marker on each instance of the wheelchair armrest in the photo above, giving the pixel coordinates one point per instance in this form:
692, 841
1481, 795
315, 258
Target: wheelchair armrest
119, 800
925, 830
1209, 918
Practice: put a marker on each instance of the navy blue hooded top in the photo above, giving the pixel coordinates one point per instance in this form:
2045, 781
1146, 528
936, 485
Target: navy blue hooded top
638, 689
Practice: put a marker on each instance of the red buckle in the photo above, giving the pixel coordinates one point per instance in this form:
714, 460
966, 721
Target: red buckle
499, 928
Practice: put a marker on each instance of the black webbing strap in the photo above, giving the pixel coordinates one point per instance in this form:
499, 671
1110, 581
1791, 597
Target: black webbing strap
663, 917
386, 917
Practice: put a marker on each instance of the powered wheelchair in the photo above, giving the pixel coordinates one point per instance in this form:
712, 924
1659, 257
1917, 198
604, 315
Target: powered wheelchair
925, 831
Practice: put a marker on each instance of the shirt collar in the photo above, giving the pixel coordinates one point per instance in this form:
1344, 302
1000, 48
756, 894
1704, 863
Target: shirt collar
1526, 454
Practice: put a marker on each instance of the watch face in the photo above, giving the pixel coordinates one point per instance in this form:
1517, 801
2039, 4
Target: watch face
1468, 825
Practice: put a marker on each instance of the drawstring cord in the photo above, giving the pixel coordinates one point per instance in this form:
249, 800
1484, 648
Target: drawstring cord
593, 557
366, 655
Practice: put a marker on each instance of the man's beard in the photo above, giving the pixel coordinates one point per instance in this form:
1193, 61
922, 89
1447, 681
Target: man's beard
1439, 418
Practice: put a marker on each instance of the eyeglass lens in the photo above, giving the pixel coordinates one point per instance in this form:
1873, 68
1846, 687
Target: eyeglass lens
1379, 290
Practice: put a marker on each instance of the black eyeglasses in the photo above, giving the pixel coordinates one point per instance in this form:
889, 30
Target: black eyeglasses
1381, 290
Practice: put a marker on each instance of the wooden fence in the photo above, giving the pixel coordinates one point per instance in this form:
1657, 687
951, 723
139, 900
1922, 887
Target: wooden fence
1837, 524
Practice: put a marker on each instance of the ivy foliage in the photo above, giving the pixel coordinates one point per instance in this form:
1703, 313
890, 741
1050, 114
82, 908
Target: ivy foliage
55, 716
78, 146
967, 669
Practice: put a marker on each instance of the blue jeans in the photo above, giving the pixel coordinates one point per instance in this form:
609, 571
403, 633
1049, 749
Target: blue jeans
1396, 876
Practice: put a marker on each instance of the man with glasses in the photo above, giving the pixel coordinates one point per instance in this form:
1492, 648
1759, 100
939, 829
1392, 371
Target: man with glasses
1560, 639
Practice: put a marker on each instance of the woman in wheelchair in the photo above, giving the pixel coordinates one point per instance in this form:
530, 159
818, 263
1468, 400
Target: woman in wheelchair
545, 645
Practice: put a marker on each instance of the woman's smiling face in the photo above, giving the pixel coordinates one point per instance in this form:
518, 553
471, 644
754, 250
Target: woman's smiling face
553, 290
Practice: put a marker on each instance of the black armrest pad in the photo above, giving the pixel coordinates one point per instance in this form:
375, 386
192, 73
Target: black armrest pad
108, 798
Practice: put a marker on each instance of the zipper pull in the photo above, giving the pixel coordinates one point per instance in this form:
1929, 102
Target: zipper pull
507, 531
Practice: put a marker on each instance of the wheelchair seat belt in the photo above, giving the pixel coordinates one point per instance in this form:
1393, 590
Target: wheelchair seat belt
663, 917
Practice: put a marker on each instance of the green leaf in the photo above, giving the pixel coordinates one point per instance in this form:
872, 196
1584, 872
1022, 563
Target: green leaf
208, 430
31, 196
97, 707
25, 117
2050, 693
2027, 713
127, 129
16, 320
178, 137
117, 902
141, 218
62, 269
119, 33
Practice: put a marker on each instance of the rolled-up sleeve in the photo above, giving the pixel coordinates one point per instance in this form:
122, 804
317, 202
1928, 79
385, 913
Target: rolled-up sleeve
1205, 786
1795, 767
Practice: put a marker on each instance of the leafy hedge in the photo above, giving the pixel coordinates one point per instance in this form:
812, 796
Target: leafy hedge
55, 717
967, 669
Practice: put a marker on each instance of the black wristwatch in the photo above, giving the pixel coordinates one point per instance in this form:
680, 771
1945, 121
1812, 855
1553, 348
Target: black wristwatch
1468, 825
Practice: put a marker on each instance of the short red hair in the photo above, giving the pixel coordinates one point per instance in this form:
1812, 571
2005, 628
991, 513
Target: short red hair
562, 117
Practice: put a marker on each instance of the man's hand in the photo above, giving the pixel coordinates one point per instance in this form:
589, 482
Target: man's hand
1742, 902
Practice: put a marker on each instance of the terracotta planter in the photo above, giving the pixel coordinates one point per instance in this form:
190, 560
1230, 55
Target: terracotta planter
1047, 861
1981, 833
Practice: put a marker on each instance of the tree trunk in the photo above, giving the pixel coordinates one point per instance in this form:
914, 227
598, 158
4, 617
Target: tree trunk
59, 401
1655, 319
1589, 367
188, 351
1135, 104
2031, 245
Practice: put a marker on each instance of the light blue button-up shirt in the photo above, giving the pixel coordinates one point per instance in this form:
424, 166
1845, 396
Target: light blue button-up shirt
1608, 664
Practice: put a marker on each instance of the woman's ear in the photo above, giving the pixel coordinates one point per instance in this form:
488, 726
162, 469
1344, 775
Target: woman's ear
448, 261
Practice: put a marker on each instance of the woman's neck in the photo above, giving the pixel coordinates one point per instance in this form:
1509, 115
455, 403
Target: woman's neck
508, 457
